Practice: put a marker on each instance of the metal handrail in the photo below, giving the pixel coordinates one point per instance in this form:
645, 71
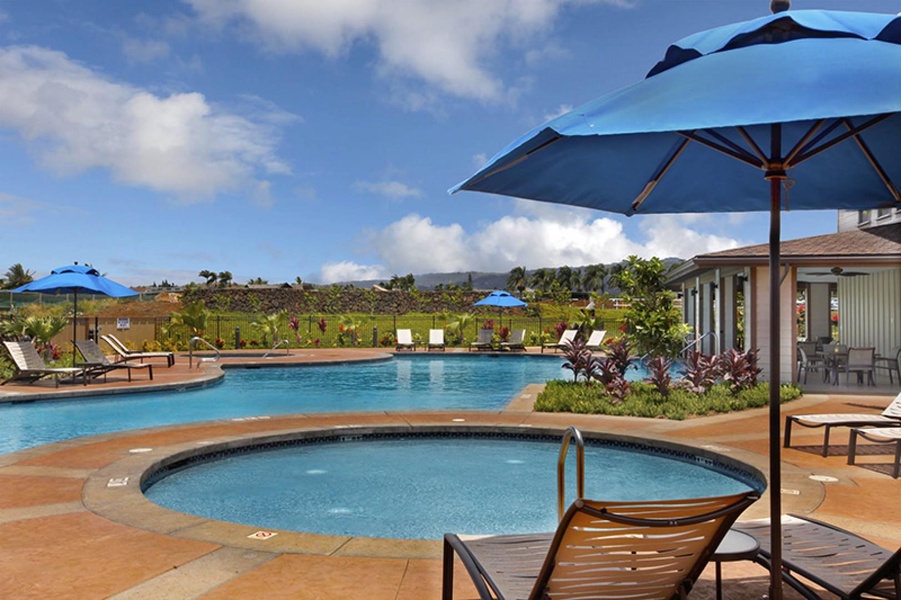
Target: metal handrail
191, 351
571, 433
697, 341
275, 347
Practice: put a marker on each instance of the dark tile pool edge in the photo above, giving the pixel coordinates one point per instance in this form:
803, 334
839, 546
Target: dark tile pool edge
105, 493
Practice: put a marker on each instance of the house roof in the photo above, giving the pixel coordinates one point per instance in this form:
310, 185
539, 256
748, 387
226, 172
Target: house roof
874, 246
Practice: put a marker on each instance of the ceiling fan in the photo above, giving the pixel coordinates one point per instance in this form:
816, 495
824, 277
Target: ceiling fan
840, 272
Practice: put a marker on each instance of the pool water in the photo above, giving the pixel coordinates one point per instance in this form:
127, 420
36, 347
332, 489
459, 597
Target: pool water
409, 382
418, 488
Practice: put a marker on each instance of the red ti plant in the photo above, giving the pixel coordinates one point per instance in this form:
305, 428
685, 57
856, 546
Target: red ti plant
739, 369
504, 333
560, 328
323, 324
579, 359
659, 375
701, 371
294, 324
488, 324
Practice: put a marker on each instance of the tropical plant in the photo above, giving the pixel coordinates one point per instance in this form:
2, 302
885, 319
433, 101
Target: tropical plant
294, 324
225, 278
516, 279
739, 369
349, 330
457, 328
659, 374
619, 350
210, 276
193, 316
579, 359
652, 318
594, 278
268, 324
17, 275
701, 371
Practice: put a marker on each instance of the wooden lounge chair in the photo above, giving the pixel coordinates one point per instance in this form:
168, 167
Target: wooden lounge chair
636, 550
405, 340
97, 364
125, 354
890, 417
834, 559
436, 340
596, 339
517, 341
484, 341
30, 366
565, 340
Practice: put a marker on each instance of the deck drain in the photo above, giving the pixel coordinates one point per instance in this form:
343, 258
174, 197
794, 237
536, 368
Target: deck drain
262, 535
458, 420
140, 450
789, 492
824, 478
117, 482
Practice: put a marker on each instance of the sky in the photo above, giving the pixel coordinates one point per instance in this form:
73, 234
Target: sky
279, 139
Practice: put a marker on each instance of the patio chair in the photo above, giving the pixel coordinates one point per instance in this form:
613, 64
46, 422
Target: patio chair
516, 341
97, 364
808, 363
878, 435
565, 340
834, 559
596, 339
861, 361
30, 366
484, 341
124, 354
637, 550
890, 363
405, 340
436, 340
890, 417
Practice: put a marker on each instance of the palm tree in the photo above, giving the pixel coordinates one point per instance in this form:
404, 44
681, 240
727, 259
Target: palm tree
594, 278
541, 279
516, 280
225, 278
17, 275
210, 276
568, 278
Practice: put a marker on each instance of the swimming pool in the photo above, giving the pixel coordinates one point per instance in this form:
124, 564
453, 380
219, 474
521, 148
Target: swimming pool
420, 487
407, 382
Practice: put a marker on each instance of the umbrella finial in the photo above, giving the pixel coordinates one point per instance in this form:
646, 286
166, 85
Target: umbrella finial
778, 6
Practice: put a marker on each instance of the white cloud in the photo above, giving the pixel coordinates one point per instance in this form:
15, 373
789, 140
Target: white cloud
546, 236
389, 189
349, 271
74, 120
560, 110
446, 45
144, 51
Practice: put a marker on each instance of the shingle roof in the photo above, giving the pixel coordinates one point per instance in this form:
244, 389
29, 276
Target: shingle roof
876, 243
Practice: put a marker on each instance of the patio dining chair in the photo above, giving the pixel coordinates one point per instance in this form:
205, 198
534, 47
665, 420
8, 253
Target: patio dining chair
640, 550
861, 361
808, 363
891, 363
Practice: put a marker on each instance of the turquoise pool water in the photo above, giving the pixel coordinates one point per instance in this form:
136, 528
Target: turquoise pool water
408, 382
416, 488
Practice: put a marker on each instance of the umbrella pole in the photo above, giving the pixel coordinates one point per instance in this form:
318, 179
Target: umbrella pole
74, 327
774, 368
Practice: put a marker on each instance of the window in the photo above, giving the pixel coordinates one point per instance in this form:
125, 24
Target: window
883, 213
863, 216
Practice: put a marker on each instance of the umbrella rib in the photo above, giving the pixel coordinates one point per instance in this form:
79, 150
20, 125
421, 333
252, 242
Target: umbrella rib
875, 163
661, 171
728, 147
515, 162
812, 149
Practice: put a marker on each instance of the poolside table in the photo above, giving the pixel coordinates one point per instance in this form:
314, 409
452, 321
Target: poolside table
736, 545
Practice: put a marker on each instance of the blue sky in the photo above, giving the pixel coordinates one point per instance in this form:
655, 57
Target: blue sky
318, 139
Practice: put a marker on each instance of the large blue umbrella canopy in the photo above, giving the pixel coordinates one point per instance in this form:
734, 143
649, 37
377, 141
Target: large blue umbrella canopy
806, 100
75, 279
500, 298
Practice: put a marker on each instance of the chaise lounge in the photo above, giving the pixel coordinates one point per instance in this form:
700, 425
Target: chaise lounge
890, 417
834, 559
405, 340
125, 354
30, 367
97, 364
436, 340
639, 550
565, 340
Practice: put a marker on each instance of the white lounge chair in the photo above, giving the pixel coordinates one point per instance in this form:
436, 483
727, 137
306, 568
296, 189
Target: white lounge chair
436, 340
596, 339
484, 341
516, 341
405, 340
125, 354
878, 435
890, 417
30, 366
565, 340
96, 363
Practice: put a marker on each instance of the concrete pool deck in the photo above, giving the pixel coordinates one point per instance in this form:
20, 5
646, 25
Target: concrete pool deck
74, 524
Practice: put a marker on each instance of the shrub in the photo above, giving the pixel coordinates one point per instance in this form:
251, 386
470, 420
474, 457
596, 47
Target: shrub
659, 375
701, 371
579, 359
740, 369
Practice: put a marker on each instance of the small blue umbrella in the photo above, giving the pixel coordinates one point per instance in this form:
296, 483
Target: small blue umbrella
75, 279
502, 299
809, 101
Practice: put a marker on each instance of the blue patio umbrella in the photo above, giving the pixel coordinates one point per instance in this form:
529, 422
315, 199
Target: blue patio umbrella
74, 279
502, 299
807, 101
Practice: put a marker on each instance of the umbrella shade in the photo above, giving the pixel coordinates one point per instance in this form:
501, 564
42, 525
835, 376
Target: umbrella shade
500, 298
75, 279
803, 99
